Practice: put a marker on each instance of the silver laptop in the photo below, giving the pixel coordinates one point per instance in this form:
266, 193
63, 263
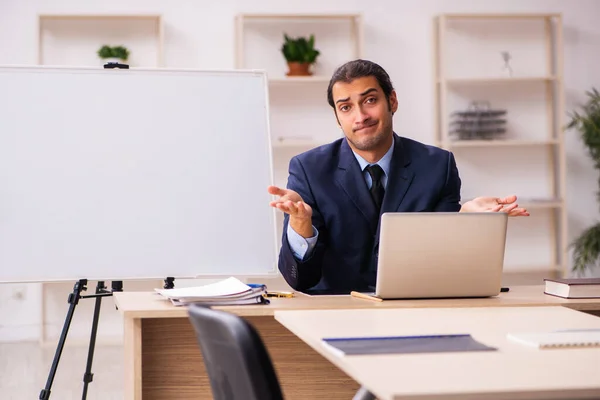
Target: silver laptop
439, 254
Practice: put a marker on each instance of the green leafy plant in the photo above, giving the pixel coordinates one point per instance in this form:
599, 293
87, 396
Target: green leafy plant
119, 52
586, 248
300, 49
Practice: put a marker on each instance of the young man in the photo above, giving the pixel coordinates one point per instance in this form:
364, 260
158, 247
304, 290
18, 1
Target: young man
337, 192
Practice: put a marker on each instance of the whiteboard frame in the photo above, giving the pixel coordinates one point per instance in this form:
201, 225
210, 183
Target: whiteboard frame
273, 271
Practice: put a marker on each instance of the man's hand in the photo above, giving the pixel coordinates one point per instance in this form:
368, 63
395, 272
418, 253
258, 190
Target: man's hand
495, 204
300, 213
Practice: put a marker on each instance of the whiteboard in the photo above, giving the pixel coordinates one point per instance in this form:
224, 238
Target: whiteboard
128, 174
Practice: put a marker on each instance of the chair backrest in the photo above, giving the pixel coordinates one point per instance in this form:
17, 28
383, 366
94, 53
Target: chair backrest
236, 360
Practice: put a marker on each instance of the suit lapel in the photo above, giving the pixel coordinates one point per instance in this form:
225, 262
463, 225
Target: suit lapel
350, 178
400, 179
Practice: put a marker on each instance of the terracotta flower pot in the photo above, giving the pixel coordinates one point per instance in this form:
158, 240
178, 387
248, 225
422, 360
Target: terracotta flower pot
298, 69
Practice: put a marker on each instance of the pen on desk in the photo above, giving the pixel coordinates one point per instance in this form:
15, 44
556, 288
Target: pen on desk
280, 294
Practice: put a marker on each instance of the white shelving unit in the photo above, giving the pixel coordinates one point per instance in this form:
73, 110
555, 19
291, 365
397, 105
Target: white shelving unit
73, 39
259, 37
467, 68
300, 116
286, 22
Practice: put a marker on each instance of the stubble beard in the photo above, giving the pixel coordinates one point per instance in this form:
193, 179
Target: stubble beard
370, 143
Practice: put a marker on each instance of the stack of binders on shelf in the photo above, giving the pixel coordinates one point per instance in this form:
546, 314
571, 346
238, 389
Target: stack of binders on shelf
230, 291
478, 122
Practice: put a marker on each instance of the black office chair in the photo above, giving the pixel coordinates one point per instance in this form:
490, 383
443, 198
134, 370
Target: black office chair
237, 362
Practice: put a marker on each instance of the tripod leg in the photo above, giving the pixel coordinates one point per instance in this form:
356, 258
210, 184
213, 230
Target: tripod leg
88, 376
73, 300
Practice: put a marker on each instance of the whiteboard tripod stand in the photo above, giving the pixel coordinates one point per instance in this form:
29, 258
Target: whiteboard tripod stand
131, 203
73, 300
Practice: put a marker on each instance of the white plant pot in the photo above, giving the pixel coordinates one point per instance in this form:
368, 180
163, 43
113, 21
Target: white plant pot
112, 60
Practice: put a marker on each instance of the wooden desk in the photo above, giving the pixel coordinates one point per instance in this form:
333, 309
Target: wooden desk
163, 361
514, 371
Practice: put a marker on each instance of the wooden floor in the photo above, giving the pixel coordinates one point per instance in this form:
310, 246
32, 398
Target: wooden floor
24, 369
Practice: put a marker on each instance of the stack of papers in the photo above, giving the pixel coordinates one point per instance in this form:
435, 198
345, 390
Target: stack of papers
558, 339
230, 291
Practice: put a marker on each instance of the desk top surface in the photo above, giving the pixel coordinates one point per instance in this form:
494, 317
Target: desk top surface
152, 305
513, 371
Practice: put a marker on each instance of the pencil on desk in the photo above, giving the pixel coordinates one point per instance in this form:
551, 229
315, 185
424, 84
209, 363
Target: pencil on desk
365, 296
280, 294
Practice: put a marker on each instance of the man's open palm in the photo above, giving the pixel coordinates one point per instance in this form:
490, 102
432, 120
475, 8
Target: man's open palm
495, 204
290, 202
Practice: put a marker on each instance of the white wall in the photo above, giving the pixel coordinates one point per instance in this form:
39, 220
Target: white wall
398, 35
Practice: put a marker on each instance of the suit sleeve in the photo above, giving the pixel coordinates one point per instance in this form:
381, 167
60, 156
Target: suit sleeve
450, 197
306, 273
300, 246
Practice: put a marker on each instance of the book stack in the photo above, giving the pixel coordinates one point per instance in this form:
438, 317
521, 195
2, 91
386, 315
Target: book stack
230, 291
574, 288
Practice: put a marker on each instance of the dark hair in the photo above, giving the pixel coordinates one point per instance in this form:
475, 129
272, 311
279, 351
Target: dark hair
359, 69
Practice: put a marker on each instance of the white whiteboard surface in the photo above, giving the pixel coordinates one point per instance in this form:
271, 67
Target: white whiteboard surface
130, 174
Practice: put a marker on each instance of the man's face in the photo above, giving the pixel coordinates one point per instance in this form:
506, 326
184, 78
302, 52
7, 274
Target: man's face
364, 113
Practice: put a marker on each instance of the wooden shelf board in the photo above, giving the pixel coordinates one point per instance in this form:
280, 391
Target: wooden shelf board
299, 79
529, 269
307, 143
498, 143
500, 16
98, 16
531, 204
495, 80
299, 16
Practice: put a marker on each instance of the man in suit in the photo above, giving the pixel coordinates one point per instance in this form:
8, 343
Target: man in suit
337, 192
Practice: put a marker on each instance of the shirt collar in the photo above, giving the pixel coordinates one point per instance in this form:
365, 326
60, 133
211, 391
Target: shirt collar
384, 163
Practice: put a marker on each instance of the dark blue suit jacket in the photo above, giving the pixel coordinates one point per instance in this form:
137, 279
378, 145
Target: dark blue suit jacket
422, 178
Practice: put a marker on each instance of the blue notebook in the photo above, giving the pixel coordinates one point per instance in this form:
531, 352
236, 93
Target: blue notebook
405, 344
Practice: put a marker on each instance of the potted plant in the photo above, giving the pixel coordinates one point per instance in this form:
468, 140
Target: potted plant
300, 54
587, 246
113, 54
